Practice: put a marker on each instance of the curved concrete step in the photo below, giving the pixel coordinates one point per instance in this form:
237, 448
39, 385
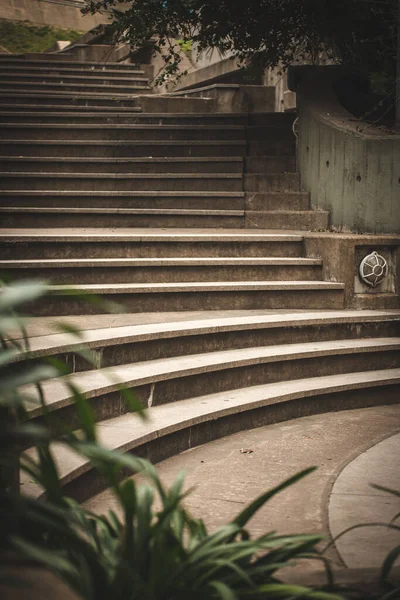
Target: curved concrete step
157, 270
131, 338
178, 378
178, 426
122, 148
245, 295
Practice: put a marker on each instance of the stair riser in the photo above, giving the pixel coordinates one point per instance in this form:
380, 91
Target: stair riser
277, 201
118, 118
87, 484
73, 102
115, 249
51, 61
307, 221
260, 133
174, 202
282, 182
89, 88
271, 148
115, 134
26, 183
272, 119
271, 164
120, 220
183, 345
22, 165
93, 149
91, 78
179, 301
168, 274
65, 71
108, 406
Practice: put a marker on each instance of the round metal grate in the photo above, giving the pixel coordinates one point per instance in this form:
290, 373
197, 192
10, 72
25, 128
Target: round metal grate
373, 269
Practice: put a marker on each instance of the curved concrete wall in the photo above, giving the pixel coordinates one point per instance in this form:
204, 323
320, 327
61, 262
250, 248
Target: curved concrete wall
350, 168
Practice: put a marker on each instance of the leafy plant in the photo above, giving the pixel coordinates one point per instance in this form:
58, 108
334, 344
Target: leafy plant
269, 32
148, 553
23, 36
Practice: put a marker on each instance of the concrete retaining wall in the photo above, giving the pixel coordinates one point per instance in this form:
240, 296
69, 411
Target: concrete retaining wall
350, 168
49, 12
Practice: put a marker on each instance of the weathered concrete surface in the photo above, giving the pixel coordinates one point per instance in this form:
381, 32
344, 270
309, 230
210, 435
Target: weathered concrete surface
235, 98
230, 472
350, 168
49, 13
354, 501
342, 255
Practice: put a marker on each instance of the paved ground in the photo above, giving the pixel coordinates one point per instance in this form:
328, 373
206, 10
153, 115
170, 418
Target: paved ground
354, 501
230, 472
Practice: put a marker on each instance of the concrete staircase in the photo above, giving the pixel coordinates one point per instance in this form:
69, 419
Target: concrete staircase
193, 221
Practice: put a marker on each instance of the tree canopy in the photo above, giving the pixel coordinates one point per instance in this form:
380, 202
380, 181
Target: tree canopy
267, 32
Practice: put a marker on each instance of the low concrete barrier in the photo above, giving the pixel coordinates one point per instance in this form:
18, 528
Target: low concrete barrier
350, 167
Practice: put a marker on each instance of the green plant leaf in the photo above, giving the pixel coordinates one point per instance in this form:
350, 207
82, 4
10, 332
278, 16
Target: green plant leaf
15, 294
223, 591
27, 376
388, 563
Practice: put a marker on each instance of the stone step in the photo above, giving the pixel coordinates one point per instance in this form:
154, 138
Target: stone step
159, 270
58, 60
181, 425
22, 101
272, 182
118, 117
131, 133
84, 87
102, 101
146, 243
103, 182
188, 164
273, 201
130, 338
271, 164
89, 77
179, 378
92, 148
34, 199
304, 220
277, 147
205, 295
125, 217
256, 133
64, 69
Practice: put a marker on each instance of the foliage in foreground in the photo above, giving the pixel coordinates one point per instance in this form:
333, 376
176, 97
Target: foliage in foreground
147, 553
22, 36
269, 32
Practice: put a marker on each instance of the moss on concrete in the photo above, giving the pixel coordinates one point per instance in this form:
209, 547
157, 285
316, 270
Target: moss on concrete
23, 36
